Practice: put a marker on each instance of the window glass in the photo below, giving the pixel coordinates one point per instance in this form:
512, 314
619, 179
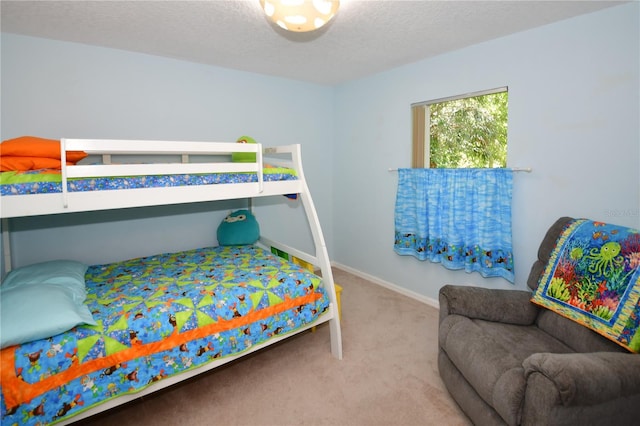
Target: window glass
462, 131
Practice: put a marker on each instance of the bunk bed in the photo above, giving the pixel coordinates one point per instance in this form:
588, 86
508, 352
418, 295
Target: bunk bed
158, 320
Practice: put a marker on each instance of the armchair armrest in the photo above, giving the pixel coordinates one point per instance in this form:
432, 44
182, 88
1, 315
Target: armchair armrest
588, 378
506, 306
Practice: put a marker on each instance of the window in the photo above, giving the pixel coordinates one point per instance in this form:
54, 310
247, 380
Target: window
461, 131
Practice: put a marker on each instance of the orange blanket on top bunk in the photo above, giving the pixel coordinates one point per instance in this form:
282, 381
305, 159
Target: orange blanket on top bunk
33, 153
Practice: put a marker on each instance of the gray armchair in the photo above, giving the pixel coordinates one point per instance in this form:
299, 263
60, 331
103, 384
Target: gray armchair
505, 360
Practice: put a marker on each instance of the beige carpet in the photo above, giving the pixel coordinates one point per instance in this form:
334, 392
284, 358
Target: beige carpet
389, 375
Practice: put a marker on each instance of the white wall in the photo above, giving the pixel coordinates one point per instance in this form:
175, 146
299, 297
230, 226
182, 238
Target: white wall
56, 89
573, 117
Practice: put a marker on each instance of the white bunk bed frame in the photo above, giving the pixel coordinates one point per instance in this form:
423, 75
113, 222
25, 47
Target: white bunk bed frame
70, 202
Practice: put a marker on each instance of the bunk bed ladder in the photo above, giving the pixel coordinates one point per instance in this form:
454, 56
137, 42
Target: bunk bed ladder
321, 254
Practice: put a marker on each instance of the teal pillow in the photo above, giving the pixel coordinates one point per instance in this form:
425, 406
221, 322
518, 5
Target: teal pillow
68, 273
35, 311
238, 228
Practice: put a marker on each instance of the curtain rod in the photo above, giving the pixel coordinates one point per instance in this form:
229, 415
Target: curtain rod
515, 169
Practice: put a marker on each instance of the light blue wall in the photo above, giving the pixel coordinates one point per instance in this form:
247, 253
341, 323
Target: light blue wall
56, 89
573, 117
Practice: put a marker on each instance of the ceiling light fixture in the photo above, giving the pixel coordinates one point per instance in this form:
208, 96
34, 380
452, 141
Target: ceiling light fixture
300, 15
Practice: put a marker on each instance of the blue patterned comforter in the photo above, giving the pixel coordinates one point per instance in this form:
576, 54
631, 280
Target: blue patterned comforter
157, 316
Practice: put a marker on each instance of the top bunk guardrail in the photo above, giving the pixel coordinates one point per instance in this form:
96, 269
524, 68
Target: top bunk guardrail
158, 158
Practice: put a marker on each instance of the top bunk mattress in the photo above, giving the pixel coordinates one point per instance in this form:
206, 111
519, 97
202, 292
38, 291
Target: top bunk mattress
46, 181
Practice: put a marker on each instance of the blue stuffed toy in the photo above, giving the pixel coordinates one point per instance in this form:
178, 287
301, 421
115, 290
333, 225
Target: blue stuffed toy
238, 228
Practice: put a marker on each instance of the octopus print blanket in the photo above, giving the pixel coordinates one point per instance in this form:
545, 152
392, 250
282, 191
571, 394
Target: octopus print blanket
593, 278
157, 316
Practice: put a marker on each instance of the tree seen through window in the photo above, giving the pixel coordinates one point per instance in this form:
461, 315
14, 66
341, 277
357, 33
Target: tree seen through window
462, 132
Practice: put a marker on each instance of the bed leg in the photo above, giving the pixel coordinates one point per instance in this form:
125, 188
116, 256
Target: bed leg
336, 337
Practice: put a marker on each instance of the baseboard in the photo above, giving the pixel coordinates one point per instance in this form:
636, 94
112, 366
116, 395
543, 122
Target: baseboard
394, 287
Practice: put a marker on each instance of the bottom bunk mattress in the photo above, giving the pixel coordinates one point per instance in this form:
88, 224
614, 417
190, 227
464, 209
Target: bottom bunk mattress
156, 317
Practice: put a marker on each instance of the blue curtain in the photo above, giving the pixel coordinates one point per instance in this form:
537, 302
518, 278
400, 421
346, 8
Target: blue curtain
458, 217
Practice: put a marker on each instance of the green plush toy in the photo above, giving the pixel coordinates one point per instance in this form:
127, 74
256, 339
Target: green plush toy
244, 157
238, 228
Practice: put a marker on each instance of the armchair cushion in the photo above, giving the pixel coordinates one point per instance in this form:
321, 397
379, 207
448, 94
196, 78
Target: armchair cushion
493, 372
574, 335
490, 356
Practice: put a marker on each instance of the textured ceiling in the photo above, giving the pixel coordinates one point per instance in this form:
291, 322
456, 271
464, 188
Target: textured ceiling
366, 37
